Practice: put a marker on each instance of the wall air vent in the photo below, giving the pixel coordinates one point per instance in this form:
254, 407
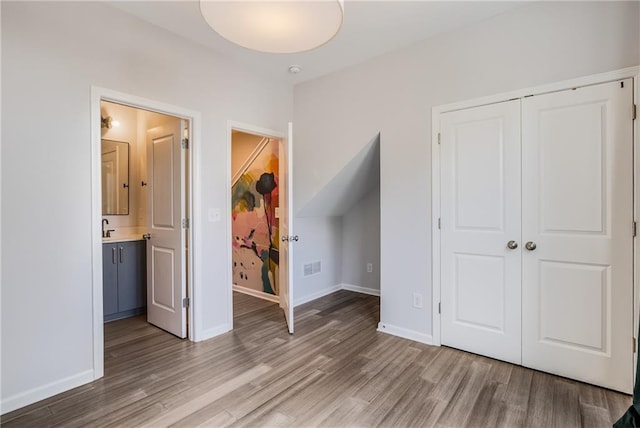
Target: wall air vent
312, 268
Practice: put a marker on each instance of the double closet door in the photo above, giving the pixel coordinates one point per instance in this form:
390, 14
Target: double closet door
536, 232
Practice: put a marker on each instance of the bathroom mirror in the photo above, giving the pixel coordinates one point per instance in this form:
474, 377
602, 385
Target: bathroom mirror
115, 177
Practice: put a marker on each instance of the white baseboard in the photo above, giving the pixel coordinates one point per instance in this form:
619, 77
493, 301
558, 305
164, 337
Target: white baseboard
359, 289
213, 332
427, 339
34, 395
317, 295
255, 293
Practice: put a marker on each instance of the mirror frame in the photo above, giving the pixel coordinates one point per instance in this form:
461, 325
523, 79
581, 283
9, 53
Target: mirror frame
125, 185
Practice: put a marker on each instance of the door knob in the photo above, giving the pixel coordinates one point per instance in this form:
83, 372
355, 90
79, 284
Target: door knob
530, 246
512, 245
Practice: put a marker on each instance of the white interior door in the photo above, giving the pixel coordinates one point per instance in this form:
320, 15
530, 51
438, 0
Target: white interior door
166, 274
480, 221
285, 267
577, 210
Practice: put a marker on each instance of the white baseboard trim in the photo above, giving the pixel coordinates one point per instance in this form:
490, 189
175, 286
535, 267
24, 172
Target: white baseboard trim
213, 332
255, 293
45, 391
359, 289
317, 295
427, 339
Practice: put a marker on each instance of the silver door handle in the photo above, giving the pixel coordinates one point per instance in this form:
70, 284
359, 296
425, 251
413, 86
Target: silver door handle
512, 245
530, 246
146, 236
113, 255
121, 254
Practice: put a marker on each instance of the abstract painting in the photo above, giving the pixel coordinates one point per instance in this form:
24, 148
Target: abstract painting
254, 200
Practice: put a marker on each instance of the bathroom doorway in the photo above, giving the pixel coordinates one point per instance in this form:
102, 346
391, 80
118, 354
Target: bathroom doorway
143, 174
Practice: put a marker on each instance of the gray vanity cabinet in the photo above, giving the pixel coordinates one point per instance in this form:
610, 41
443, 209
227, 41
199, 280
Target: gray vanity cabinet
124, 279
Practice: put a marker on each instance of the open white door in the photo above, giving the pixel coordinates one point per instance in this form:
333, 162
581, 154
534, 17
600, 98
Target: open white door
166, 275
286, 223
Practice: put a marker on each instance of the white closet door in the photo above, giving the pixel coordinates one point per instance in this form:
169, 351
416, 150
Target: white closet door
577, 210
480, 209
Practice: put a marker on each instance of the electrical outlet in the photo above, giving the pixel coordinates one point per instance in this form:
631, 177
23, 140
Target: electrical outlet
417, 300
369, 267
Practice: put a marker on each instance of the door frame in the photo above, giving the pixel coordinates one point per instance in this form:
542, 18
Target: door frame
99, 94
249, 129
626, 73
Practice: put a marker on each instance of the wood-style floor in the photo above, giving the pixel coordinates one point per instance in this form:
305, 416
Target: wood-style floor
336, 371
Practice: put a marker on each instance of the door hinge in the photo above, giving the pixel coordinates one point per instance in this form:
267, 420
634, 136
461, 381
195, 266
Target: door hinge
438, 222
185, 143
439, 137
439, 307
185, 223
634, 112
186, 302
635, 229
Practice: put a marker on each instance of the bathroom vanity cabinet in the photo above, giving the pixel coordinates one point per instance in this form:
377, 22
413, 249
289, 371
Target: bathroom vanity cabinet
124, 279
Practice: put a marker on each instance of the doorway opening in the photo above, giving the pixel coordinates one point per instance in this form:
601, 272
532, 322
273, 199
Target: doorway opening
142, 183
255, 229
258, 175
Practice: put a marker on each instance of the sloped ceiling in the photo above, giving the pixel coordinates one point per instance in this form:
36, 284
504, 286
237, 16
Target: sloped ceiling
359, 176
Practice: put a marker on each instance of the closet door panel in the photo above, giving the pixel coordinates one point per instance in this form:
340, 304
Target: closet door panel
577, 209
480, 208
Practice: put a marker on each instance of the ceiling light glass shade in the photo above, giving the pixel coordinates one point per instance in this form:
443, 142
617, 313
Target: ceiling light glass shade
275, 26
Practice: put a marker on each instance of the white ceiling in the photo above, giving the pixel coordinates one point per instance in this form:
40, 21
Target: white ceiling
370, 29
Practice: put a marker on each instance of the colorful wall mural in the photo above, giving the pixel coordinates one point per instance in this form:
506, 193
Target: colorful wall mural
254, 199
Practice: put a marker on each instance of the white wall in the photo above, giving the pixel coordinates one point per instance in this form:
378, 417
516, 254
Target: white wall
361, 242
320, 240
52, 53
335, 116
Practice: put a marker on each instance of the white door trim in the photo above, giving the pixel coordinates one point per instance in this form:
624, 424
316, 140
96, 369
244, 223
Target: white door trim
99, 94
631, 72
250, 129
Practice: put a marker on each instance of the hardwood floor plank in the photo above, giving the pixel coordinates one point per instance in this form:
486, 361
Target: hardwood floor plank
336, 371
174, 415
222, 419
566, 407
346, 414
594, 417
463, 400
540, 405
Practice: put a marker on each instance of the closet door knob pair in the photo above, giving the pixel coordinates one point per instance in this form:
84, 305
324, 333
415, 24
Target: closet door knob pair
512, 245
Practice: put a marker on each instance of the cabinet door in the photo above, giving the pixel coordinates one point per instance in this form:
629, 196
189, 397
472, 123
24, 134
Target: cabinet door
131, 275
109, 279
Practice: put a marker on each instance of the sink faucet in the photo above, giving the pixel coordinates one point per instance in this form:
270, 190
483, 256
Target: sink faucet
106, 233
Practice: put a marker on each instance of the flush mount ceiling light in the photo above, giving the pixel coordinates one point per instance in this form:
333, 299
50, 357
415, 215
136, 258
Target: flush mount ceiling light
275, 26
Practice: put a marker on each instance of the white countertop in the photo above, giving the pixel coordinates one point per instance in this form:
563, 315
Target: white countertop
123, 238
